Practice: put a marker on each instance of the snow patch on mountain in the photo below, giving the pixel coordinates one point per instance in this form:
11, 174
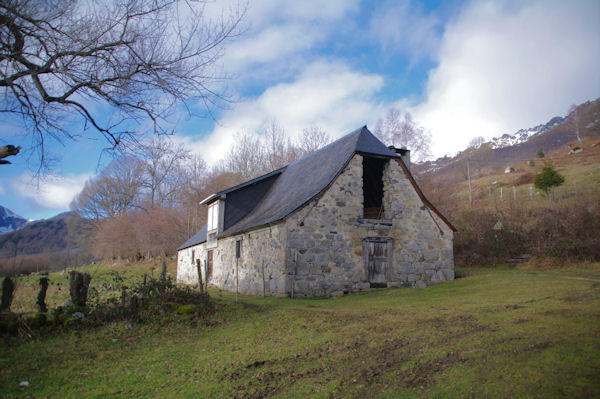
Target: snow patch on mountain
507, 140
10, 221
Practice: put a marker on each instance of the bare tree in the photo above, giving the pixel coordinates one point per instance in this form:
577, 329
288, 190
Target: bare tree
137, 235
276, 145
313, 138
60, 58
113, 192
573, 119
164, 165
246, 157
401, 130
476, 142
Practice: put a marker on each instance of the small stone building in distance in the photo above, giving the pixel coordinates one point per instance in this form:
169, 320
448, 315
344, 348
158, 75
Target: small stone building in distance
346, 218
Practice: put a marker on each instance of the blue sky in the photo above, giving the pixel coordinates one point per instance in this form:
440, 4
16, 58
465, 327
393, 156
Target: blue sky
463, 69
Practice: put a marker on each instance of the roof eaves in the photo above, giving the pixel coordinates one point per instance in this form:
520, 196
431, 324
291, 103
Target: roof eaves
250, 182
210, 198
422, 196
223, 193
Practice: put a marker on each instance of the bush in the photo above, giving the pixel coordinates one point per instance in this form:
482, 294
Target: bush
149, 299
185, 309
569, 231
526, 178
548, 178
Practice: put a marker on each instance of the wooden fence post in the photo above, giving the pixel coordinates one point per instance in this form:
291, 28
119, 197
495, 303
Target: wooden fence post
263, 276
200, 283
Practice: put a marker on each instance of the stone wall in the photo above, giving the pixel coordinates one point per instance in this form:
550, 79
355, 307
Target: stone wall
325, 238
263, 247
186, 270
423, 253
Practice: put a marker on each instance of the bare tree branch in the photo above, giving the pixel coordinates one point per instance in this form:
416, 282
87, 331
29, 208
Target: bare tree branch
140, 57
402, 131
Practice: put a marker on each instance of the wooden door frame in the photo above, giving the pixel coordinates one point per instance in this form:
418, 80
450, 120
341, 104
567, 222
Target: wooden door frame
389, 241
210, 261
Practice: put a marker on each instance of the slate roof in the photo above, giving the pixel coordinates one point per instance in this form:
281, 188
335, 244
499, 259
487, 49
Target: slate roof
196, 239
299, 182
307, 177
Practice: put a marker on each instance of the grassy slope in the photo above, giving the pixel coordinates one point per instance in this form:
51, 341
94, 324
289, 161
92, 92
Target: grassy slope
493, 333
103, 274
581, 172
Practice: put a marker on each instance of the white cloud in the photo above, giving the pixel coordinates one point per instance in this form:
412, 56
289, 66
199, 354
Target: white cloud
265, 12
279, 34
402, 27
53, 192
328, 94
506, 66
270, 44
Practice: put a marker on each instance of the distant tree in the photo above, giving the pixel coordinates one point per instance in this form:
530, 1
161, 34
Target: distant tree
164, 166
540, 153
312, 139
156, 232
278, 148
113, 192
574, 120
246, 157
401, 130
476, 142
60, 58
548, 179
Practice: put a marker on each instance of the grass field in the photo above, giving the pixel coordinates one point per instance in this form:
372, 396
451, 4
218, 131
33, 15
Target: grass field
494, 332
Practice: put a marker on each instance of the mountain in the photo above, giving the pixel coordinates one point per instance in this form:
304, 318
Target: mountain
10, 221
507, 140
521, 146
64, 232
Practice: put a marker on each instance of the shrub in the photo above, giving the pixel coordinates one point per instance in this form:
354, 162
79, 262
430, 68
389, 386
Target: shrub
526, 178
185, 309
548, 178
569, 231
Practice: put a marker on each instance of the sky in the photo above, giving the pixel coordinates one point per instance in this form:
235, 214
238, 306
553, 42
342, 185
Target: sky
462, 69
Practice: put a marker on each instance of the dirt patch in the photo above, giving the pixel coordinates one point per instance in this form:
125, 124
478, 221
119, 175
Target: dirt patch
423, 373
251, 306
578, 298
515, 306
264, 378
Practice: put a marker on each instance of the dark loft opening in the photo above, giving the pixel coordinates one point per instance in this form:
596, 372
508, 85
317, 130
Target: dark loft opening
373, 187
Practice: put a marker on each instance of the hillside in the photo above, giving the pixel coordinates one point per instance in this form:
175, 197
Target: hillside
64, 232
10, 221
522, 146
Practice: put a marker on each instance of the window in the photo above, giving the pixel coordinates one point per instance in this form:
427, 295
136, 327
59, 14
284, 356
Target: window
193, 257
373, 187
213, 216
238, 249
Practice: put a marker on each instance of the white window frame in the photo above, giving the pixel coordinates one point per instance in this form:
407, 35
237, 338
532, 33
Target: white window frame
212, 221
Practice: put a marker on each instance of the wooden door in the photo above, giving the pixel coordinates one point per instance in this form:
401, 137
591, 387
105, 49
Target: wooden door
378, 255
209, 264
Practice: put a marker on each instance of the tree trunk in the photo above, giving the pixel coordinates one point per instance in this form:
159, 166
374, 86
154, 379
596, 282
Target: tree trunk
8, 288
78, 287
41, 299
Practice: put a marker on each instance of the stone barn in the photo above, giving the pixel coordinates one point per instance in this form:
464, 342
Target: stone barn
346, 218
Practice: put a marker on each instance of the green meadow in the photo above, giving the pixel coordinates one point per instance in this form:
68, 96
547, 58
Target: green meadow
492, 332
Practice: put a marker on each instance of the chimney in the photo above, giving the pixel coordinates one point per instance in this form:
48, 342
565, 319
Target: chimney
404, 154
